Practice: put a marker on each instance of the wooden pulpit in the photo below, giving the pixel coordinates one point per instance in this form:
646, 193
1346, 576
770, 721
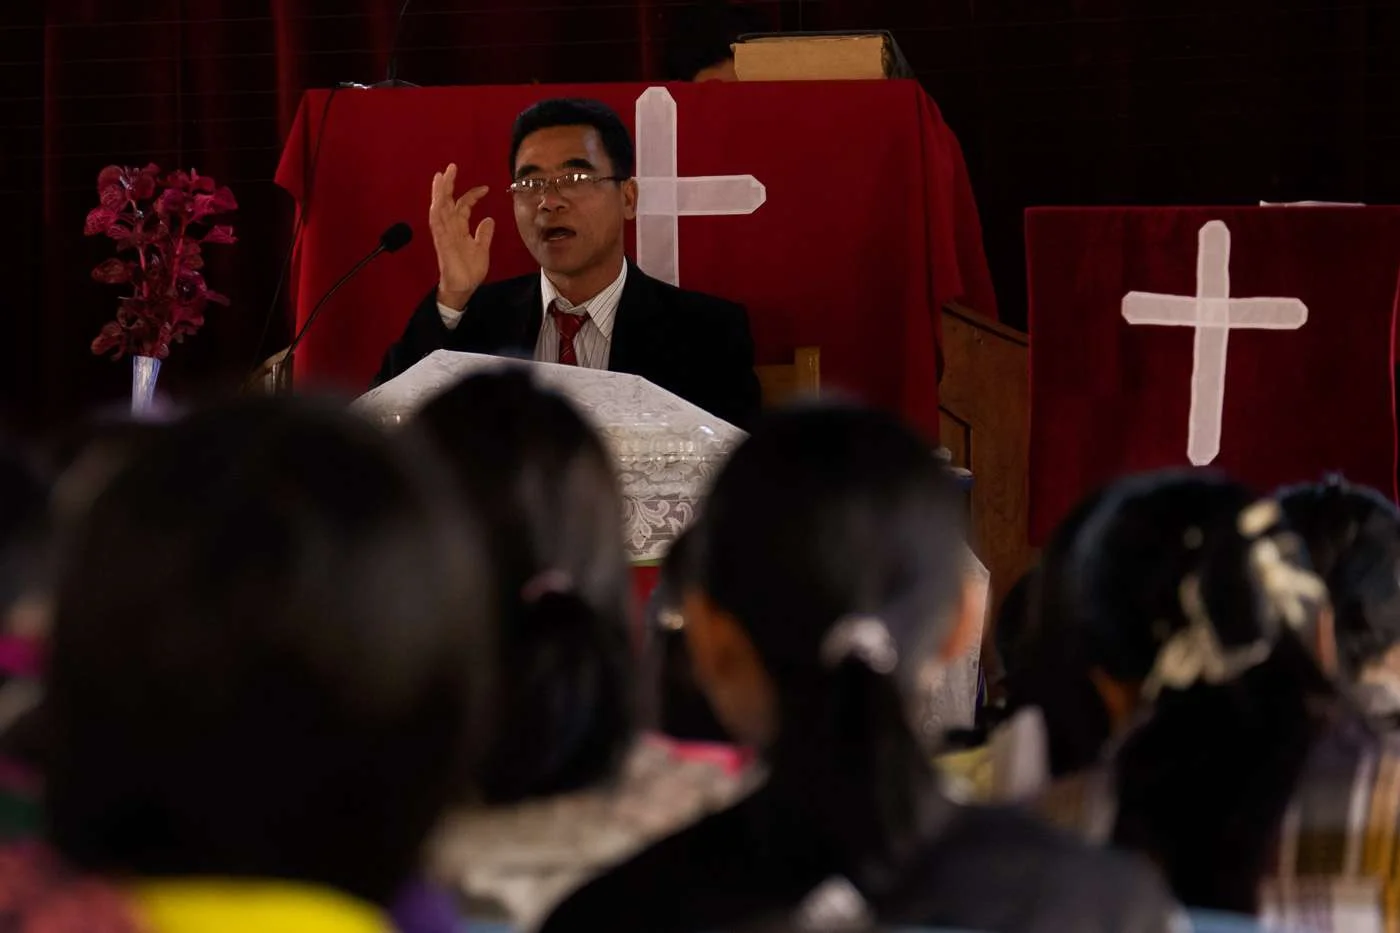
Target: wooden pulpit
984, 420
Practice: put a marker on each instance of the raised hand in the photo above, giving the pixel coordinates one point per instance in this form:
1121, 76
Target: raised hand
463, 258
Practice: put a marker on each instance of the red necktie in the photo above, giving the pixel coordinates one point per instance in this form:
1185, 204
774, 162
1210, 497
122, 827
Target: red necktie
568, 326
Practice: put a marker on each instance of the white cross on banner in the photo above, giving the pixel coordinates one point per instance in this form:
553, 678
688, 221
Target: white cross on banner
1213, 313
663, 196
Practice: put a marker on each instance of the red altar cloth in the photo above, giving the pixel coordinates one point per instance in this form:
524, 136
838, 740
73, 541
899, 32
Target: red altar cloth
1109, 397
869, 227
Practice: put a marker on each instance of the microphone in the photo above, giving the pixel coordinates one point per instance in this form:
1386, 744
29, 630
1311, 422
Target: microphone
396, 237
390, 241
392, 80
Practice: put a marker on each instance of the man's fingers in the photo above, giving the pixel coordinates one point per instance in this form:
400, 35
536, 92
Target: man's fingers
442, 188
437, 213
443, 185
468, 201
484, 232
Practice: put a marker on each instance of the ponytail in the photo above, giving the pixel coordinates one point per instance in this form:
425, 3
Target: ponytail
1203, 785
849, 760
563, 696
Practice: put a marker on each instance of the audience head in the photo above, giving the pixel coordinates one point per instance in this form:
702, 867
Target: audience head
682, 710
267, 650
829, 597
83, 457
703, 36
575, 226
1196, 604
24, 543
1046, 664
26, 572
544, 486
1171, 555
1353, 538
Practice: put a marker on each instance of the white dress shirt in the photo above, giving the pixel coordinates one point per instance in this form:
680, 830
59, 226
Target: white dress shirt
593, 345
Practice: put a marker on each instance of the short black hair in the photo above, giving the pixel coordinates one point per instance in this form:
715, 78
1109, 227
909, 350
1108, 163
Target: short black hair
577, 111
543, 484
1353, 539
267, 655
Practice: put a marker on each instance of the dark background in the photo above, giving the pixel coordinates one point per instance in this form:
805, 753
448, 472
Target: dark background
1055, 101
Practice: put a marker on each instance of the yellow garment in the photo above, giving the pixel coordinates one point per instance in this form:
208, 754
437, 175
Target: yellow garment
970, 774
231, 906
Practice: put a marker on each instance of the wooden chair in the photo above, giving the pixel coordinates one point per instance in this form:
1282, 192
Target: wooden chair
786, 382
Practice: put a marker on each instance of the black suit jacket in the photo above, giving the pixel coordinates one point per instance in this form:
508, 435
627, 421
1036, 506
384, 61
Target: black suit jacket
694, 345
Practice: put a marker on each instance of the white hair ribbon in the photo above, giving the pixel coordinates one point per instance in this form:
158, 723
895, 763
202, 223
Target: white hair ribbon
1194, 654
863, 637
835, 904
1291, 592
1288, 588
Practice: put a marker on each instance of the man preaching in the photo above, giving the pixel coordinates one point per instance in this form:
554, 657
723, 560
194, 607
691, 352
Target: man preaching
574, 192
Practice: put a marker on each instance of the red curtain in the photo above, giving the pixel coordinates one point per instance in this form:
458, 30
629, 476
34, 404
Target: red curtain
1055, 102
1297, 403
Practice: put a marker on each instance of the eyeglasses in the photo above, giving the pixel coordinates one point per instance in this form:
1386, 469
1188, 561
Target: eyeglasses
568, 185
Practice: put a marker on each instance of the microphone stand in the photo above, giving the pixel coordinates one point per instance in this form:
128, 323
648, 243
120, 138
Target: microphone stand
392, 79
276, 373
320, 305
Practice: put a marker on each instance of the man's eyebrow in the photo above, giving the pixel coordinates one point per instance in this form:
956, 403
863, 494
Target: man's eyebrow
526, 170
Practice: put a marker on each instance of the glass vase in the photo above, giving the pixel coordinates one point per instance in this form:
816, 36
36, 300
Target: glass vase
145, 370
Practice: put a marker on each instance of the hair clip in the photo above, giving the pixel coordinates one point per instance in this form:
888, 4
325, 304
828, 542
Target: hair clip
544, 583
1195, 655
835, 904
1291, 592
863, 637
1259, 518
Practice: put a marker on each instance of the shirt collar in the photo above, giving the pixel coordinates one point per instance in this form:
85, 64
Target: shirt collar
601, 308
234, 906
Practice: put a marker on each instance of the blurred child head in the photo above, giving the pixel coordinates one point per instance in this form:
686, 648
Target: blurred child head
544, 486
272, 626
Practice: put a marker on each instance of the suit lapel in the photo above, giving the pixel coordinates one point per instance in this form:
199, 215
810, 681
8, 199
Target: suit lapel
505, 319
635, 336
526, 316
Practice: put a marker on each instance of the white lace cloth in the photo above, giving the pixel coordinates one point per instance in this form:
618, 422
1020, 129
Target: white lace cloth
666, 450
517, 863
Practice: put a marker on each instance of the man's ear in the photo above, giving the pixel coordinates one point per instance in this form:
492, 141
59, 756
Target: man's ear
629, 199
730, 672
1324, 644
712, 638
